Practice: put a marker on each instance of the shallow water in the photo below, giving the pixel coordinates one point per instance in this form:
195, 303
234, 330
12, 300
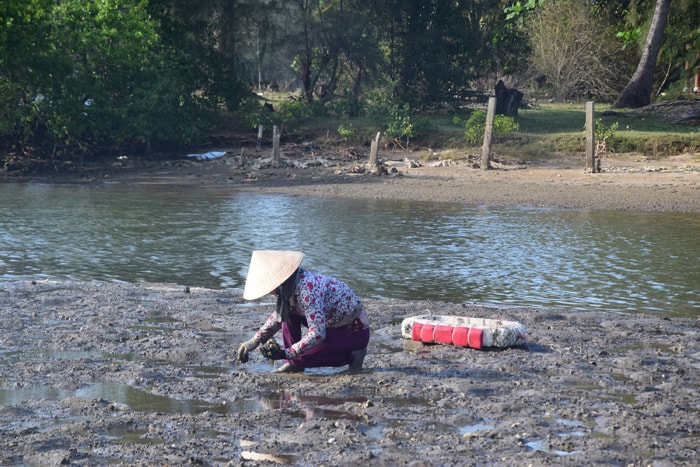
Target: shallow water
197, 236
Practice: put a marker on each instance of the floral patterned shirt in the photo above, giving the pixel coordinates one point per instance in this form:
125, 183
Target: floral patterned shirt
325, 302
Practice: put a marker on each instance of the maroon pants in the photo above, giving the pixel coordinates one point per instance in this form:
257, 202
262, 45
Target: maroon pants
335, 350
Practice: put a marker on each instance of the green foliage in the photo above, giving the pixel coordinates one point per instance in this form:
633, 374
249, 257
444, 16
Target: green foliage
519, 7
80, 75
348, 107
395, 119
398, 123
603, 132
629, 36
254, 113
23, 63
95, 75
345, 131
475, 126
294, 109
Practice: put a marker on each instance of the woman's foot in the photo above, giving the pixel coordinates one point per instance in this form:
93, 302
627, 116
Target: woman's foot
358, 358
288, 368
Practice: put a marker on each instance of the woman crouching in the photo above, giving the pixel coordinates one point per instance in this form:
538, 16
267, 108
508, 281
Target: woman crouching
337, 326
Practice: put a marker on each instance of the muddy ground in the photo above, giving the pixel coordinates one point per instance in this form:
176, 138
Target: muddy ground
142, 374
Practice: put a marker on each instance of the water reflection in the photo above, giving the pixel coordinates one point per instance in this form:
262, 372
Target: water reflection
384, 249
313, 407
125, 397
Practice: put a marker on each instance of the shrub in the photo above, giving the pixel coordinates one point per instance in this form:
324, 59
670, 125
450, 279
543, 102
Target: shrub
475, 126
395, 118
294, 109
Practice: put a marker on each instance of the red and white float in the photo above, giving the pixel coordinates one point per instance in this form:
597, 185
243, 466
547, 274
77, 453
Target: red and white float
463, 331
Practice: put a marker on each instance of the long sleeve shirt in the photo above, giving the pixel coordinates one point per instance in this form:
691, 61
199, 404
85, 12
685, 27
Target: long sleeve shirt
325, 302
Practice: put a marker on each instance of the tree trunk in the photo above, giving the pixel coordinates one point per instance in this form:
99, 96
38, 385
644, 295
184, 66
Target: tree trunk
637, 93
507, 100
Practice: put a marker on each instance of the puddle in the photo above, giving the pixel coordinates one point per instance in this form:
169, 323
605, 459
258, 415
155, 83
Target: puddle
161, 320
541, 446
207, 371
251, 455
389, 347
314, 407
470, 430
375, 432
135, 436
124, 396
44, 355
261, 457
629, 399
572, 424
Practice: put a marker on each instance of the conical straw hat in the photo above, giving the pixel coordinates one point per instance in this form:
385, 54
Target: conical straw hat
268, 270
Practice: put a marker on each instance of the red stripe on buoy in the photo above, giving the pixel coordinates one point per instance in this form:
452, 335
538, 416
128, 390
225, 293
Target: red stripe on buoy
461, 336
415, 330
427, 333
475, 338
443, 334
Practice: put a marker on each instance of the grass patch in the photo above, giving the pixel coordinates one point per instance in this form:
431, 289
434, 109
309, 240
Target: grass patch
548, 131
560, 128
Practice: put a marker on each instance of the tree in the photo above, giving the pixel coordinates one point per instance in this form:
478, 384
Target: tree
80, 77
638, 91
575, 49
118, 84
433, 49
679, 59
26, 57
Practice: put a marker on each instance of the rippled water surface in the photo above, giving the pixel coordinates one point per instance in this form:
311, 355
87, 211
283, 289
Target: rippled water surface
646, 262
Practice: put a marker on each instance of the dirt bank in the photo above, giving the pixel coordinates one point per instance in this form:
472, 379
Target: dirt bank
627, 182
101, 373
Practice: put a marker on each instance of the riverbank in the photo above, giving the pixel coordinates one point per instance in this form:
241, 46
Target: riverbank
627, 182
143, 374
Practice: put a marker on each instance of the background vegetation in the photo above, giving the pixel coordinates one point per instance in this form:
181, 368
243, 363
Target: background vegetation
82, 79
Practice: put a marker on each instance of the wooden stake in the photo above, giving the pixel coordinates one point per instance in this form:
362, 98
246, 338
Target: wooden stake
260, 135
373, 150
275, 146
590, 137
488, 131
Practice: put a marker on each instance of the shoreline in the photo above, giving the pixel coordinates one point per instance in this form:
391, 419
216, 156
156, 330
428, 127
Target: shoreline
627, 183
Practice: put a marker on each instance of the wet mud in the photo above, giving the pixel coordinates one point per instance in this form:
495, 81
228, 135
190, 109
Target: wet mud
95, 373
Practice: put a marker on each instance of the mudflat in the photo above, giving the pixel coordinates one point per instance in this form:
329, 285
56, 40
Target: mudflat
144, 374
96, 373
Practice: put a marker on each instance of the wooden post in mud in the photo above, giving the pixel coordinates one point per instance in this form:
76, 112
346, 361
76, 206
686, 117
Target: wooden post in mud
275, 146
590, 137
488, 131
373, 150
260, 135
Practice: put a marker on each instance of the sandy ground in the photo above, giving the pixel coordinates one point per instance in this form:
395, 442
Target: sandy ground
142, 374
627, 182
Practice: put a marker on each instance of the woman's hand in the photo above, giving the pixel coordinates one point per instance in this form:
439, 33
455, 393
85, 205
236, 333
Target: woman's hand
272, 350
245, 348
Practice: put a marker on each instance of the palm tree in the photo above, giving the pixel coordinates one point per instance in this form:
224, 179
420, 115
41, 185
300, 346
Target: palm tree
637, 93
